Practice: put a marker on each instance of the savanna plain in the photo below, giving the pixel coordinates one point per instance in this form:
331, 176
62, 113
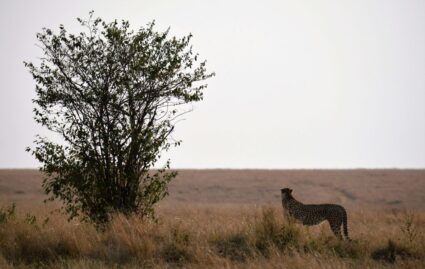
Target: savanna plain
225, 219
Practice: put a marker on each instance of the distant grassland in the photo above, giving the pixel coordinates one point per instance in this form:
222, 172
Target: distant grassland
226, 219
352, 188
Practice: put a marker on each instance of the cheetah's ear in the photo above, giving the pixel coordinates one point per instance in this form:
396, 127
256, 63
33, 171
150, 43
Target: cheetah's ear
290, 191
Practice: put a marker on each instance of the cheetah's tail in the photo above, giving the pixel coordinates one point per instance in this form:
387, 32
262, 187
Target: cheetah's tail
345, 226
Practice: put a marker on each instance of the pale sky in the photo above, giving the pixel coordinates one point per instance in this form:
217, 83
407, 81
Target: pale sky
299, 84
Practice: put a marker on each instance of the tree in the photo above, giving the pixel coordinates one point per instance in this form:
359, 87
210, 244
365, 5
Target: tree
113, 95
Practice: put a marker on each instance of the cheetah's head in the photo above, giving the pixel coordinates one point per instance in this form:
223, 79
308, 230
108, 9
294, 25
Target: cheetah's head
286, 193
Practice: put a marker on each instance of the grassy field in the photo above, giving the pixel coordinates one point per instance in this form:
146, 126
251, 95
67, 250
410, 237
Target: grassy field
226, 219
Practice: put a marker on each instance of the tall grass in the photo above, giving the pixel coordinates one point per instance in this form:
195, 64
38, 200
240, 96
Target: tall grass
210, 237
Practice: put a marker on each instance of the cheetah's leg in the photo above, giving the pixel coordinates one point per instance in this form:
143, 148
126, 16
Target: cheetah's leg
336, 229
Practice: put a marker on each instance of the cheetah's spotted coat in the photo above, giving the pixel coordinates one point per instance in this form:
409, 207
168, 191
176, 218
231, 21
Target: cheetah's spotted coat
315, 214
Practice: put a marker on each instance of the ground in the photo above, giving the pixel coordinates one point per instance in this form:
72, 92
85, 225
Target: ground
226, 219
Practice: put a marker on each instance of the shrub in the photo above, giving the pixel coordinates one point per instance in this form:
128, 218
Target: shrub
348, 249
8, 213
409, 228
312, 245
270, 233
391, 251
176, 250
235, 247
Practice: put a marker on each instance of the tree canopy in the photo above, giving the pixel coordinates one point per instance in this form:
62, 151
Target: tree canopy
113, 94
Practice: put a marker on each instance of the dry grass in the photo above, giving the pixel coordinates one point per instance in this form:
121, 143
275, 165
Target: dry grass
213, 236
225, 219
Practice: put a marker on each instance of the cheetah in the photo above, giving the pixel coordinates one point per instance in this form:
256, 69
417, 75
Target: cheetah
315, 214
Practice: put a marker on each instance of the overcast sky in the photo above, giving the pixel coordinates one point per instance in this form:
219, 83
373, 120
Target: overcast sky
299, 84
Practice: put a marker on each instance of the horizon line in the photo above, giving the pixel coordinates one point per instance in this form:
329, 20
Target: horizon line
257, 168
